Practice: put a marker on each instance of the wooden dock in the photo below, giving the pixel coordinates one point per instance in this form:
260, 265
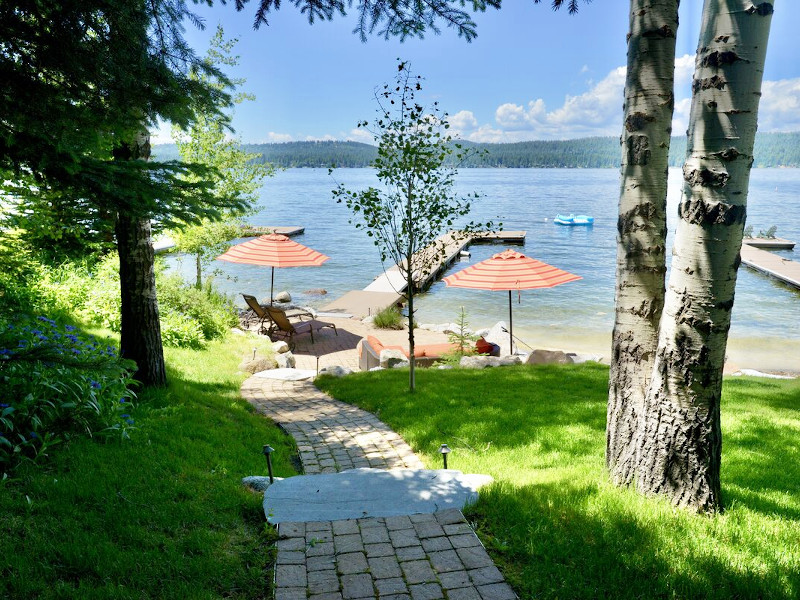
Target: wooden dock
441, 254
257, 230
165, 244
769, 243
783, 269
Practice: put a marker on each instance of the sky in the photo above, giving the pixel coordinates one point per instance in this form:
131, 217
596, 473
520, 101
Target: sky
532, 73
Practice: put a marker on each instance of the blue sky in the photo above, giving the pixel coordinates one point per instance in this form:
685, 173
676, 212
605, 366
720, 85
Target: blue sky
531, 73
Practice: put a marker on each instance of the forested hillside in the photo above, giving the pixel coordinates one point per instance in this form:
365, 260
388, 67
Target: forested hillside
771, 150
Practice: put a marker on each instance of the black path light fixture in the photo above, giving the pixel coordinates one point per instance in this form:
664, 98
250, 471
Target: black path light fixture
267, 451
444, 450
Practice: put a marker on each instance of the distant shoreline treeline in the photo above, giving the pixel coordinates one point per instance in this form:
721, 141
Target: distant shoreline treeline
771, 150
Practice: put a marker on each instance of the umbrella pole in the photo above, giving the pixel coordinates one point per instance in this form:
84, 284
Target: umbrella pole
510, 326
272, 287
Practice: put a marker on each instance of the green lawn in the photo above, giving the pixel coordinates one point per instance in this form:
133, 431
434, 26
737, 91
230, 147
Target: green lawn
163, 515
552, 521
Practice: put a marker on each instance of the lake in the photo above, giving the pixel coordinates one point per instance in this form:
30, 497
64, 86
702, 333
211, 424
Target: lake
579, 316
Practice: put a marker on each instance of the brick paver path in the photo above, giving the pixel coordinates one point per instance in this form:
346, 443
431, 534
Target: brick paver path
415, 557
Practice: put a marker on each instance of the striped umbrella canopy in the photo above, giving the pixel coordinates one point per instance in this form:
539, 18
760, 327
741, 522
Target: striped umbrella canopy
509, 270
273, 250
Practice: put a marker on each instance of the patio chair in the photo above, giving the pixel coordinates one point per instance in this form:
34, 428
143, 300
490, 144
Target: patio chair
287, 330
259, 312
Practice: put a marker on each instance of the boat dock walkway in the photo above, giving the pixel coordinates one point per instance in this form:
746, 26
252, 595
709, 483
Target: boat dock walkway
167, 243
388, 288
783, 269
439, 256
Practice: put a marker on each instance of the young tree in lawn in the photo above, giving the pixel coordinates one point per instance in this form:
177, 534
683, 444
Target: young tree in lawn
679, 440
235, 174
642, 221
416, 203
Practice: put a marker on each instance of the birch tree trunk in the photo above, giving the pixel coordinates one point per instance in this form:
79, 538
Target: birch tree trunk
680, 440
642, 225
140, 329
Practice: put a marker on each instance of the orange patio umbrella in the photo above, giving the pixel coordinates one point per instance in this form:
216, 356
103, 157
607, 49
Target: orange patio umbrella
273, 250
509, 270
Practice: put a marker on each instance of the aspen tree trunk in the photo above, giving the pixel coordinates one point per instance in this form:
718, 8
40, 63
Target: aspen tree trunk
642, 224
140, 335
680, 438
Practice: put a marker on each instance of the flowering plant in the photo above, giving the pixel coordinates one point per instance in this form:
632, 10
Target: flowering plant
56, 382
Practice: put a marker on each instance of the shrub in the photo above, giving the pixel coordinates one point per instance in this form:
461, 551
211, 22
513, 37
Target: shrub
389, 318
57, 382
19, 275
212, 312
181, 331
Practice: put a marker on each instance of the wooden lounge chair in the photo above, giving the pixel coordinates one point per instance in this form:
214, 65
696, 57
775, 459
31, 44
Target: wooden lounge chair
287, 330
259, 312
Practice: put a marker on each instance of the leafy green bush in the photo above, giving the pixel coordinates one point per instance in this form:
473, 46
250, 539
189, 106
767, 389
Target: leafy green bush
212, 311
181, 331
19, 275
189, 316
389, 318
57, 382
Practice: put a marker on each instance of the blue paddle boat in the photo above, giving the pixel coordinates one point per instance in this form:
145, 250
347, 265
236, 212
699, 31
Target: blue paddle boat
573, 219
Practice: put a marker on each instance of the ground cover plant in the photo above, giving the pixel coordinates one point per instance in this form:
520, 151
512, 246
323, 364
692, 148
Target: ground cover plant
57, 382
161, 515
555, 524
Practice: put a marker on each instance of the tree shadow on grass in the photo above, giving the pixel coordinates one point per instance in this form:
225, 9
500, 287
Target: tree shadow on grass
559, 541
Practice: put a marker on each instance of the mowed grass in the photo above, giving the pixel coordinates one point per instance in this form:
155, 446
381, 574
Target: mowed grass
553, 522
163, 515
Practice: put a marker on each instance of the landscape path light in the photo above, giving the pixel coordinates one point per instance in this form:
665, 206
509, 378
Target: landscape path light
444, 450
267, 451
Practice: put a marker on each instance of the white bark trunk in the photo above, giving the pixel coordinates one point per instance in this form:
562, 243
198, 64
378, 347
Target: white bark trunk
641, 228
680, 437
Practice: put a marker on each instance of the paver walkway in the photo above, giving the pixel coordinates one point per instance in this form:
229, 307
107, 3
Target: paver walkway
415, 557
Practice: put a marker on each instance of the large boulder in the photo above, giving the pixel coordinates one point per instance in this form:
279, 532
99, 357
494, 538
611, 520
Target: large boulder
499, 335
541, 356
286, 360
316, 292
336, 371
389, 359
283, 297
257, 365
482, 362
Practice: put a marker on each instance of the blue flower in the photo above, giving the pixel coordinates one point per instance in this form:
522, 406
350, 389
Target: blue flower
69, 328
74, 338
129, 421
3, 405
34, 435
126, 416
95, 384
4, 351
122, 400
76, 351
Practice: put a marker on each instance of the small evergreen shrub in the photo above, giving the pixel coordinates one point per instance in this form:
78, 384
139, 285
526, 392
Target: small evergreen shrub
57, 382
389, 318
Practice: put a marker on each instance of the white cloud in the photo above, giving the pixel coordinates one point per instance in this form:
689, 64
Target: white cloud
779, 109
585, 69
463, 121
680, 116
359, 134
684, 70
276, 138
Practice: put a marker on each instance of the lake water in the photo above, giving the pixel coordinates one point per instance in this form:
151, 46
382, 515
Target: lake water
765, 331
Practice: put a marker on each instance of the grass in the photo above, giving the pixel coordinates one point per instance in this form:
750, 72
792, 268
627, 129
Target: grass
553, 522
163, 515
389, 318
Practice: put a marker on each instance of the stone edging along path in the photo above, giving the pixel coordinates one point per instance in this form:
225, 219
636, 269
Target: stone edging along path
414, 557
